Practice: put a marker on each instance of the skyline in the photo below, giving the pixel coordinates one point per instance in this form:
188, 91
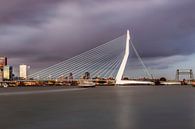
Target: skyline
41, 34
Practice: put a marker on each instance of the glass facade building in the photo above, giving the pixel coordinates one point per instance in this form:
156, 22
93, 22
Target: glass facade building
7, 72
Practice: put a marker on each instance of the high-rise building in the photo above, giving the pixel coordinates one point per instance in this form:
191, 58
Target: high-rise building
7, 72
23, 71
1, 75
3, 62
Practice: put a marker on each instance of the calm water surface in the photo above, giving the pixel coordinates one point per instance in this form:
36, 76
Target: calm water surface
98, 108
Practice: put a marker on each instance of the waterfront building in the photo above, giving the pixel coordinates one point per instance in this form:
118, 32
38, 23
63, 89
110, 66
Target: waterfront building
3, 62
23, 71
7, 72
1, 75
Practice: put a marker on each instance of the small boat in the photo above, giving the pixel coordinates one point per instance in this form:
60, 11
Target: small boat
86, 83
170, 83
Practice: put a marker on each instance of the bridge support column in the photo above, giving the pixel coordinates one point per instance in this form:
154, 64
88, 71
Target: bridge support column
119, 75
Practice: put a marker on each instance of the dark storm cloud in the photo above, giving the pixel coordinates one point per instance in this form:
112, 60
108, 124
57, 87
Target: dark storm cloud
24, 11
49, 31
169, 32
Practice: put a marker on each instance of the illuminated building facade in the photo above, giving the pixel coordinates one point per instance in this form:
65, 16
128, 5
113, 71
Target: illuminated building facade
7, 72
23, 71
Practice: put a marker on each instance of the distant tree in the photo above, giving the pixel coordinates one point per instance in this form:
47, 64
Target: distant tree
163, 79
87, 75
125, 78
70, 77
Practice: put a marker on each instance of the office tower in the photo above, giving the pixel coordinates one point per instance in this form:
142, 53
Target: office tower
7, 72
23, 71
3, 62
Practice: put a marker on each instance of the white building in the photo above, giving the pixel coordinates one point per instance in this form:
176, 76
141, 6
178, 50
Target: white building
23, 71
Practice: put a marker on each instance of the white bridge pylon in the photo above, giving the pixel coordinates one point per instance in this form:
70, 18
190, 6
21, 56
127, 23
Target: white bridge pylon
120, 73
121, 70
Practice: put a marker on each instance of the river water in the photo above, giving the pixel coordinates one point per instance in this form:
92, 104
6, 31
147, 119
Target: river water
130, 107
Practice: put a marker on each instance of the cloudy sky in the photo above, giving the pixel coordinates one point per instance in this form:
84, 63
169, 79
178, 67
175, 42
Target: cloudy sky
44, 32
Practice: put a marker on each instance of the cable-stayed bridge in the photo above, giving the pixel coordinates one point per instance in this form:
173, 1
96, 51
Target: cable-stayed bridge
108, 60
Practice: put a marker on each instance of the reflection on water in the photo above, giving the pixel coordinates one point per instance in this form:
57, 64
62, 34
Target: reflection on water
126, 114
152, 108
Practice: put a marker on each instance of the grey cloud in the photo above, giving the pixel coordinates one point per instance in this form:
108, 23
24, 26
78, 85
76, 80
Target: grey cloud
164, 62
48, 31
